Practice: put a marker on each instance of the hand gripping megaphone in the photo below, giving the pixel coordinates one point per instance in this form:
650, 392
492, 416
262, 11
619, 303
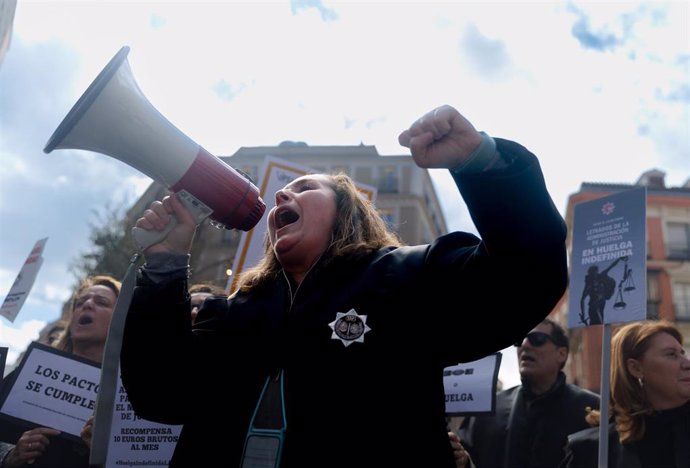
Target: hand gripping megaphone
113, 117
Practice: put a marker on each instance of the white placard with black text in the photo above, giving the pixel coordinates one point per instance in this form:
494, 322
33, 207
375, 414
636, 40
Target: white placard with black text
138, 442
53, 389
471, 387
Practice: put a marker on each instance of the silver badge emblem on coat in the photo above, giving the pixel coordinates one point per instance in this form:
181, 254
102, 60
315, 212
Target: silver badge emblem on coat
349, 327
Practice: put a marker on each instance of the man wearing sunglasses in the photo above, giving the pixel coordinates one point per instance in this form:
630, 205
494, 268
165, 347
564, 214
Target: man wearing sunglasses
532, 421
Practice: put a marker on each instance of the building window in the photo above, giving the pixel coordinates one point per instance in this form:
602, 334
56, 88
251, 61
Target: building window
653, 295
681, 301
678, 241
388, 179
363, 175
389, 217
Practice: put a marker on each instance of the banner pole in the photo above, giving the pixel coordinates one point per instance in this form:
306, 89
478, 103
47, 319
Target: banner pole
605, 391
107, 389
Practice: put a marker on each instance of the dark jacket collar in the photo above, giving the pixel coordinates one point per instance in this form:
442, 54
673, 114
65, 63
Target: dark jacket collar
556, 388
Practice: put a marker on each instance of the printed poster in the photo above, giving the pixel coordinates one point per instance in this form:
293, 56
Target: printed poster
53, 389
56, 389
135, 441
471, 387
608, 280
23, 283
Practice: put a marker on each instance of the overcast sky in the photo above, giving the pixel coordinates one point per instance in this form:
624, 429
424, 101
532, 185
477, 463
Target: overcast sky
598, 90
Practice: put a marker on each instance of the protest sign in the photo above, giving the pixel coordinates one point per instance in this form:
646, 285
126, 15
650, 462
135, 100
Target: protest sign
608, 266
138, 442
52, 389
23, 283
471, 387
56, 389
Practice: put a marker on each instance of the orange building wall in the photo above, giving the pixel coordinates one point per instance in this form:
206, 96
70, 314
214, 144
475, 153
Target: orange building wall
655, 239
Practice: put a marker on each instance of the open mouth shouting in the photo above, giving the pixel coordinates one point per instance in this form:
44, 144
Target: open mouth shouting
85, 319
284, 216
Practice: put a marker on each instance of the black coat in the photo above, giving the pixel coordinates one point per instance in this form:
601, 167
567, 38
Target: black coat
375, 402
527, 432
666, 444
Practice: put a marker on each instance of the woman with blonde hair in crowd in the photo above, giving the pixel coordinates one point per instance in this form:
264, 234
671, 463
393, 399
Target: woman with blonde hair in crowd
650, 402
91, 309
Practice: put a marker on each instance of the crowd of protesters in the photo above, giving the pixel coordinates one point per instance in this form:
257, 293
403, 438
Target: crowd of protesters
338, 298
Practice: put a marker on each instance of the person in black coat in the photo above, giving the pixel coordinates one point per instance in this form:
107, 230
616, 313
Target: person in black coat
650, 402
532, 421
355, 327
91, 310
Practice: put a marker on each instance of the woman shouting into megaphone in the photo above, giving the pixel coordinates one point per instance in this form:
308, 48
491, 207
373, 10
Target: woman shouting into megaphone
341, 332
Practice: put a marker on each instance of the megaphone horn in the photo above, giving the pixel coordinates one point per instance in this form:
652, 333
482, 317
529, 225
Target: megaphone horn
113, 117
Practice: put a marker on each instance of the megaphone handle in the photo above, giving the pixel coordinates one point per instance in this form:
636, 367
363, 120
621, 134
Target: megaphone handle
146, 238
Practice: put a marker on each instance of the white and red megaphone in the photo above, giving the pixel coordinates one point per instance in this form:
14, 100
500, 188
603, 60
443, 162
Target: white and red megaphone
114, 117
